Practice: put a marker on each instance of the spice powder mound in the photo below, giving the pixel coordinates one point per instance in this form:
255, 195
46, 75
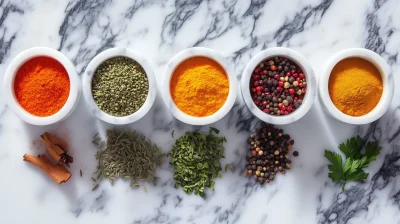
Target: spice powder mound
355, 86
42, 86
199, 86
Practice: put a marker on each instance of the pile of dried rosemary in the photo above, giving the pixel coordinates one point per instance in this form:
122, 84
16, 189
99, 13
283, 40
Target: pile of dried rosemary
128, 155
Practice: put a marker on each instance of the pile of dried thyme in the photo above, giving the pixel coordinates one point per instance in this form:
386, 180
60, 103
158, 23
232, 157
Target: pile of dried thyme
128, 155
196, 160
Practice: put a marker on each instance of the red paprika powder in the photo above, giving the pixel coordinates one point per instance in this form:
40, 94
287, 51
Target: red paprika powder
42, 86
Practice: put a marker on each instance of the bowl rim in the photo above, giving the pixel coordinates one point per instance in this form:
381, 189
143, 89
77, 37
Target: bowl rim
9, 78
177, 60
387, 92
305, 66
87, 85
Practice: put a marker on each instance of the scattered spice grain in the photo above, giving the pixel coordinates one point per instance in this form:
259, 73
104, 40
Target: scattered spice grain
95, 187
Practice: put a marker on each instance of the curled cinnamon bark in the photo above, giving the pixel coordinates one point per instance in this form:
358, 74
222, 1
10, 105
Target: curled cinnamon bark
57, 172
56, 148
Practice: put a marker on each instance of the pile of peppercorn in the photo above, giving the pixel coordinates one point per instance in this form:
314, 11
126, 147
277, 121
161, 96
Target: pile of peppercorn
269, 153
278, 86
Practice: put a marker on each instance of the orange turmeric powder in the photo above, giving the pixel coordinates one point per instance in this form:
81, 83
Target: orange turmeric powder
199, 86
355, 86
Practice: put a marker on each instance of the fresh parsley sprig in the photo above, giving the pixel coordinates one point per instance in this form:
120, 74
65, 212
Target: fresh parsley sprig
355, 162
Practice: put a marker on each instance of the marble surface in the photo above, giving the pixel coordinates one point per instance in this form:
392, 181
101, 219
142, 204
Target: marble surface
239, 30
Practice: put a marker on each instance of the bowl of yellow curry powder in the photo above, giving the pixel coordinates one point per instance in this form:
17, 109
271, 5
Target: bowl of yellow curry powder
356, 86
198, 87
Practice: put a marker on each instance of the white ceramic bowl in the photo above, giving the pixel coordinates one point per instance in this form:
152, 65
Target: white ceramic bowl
308, 100
11, 72
388, 86
169, 70
87, 86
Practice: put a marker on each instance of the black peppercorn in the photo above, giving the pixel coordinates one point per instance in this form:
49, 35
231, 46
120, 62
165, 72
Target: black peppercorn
268, 156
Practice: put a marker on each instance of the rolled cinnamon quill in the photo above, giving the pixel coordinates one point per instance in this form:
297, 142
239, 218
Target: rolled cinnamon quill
56, 148
57, 172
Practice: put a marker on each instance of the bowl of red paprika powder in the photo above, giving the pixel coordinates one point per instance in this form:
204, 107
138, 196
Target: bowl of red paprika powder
41, 86
279, 86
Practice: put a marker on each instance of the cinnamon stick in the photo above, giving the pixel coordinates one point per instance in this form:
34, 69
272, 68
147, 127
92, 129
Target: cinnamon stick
56, 148
57, 172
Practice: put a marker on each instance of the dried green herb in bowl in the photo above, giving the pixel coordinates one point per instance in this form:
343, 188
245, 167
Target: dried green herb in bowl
127, 155
196, 160
120, 86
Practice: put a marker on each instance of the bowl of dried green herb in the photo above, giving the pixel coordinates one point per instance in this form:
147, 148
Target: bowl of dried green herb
119, 86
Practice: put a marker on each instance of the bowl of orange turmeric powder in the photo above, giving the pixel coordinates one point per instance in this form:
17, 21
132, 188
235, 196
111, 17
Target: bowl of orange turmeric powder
199, 88
356, 86
41, 86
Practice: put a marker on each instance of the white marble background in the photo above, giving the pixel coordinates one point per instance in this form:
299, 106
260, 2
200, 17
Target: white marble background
238, 29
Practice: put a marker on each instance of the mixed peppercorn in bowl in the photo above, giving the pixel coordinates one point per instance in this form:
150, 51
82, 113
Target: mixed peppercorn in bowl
278, 86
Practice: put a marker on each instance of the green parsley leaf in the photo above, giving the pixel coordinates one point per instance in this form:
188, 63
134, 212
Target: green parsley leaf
372, 150
358, 175
352, 148
356, 161
336, 173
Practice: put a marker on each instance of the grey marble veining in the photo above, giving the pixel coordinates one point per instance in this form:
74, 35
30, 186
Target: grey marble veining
238, 29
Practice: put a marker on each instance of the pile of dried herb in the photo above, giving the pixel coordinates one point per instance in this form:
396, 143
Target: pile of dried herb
196, 160
128, 155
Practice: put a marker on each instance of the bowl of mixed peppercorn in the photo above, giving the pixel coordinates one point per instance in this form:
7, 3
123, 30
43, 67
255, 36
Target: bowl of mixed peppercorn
278, 86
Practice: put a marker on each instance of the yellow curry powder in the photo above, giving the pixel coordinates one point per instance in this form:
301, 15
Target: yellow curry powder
199, 86
355, 86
